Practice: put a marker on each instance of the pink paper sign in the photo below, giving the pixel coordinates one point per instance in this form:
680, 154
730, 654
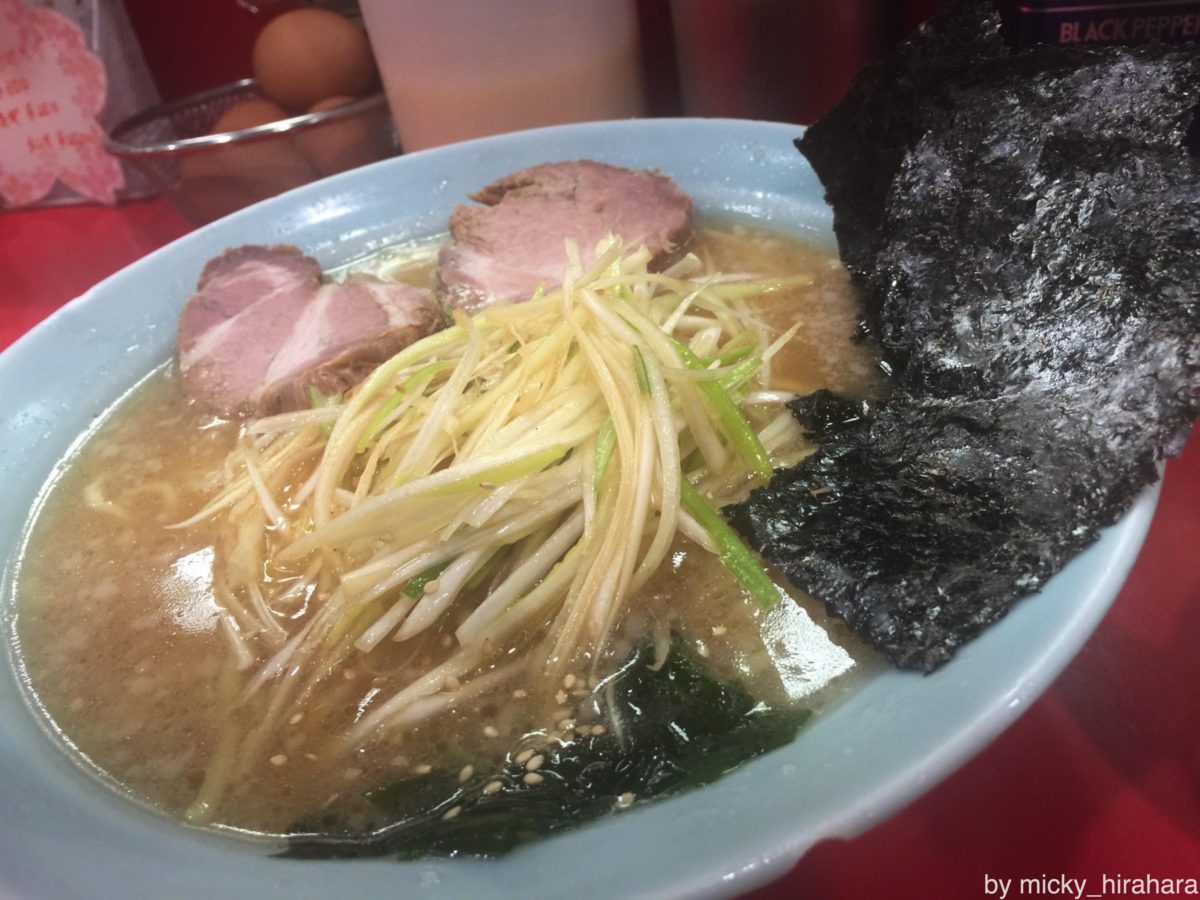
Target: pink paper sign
51, 90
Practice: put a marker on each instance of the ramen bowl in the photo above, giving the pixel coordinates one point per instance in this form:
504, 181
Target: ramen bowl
68, 835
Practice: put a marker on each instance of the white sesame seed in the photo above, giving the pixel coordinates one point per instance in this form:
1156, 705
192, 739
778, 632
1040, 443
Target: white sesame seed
278, 759
432, 587
492, 787
719, 630
560, 698
568, 681
625, 800
423, 769
535, 763
533, 778
524, 756
351, 773
452, 812
465, 773
519, 694
566, 725
703, 651
598, 730
451, 683
311, 757
295, 720
490, 731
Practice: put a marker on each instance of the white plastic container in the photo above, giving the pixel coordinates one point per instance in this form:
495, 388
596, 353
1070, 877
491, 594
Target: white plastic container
459, 69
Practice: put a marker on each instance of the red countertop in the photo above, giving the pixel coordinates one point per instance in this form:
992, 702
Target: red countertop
1101, 777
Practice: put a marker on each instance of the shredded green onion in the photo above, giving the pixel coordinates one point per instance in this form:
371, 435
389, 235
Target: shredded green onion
639, 364
740, 374
473, 461
415, 383
736, 354
319, 401
737, 429
606, 442
500, 474
415, 589
739, 290
735, 555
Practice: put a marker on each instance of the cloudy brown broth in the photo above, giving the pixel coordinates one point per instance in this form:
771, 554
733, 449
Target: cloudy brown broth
121, 647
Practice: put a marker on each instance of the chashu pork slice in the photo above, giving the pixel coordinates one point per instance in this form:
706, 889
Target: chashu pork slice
514, 243
262, 328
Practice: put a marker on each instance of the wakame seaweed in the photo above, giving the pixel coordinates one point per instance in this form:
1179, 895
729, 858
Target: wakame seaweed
1024, 232
669, 730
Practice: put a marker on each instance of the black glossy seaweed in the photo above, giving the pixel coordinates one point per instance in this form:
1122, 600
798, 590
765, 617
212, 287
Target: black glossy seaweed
681, 728
1024, 231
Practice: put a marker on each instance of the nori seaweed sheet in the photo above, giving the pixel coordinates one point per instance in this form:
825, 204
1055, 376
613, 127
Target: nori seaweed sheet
681, 728
1024, 231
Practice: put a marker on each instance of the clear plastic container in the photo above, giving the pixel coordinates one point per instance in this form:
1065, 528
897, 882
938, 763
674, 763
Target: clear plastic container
459, 69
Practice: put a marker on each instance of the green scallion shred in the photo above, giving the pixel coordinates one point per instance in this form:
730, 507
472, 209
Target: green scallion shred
737, 290
734, 555
639, 364
736, 428
501, 473
418, 379
415, 382
740, 374
606, 442
416, 587
355, 622
377, 420
731, 356
317, 400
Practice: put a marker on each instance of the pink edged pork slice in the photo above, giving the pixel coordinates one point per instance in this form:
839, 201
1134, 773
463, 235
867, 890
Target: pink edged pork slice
513, 243
262, 328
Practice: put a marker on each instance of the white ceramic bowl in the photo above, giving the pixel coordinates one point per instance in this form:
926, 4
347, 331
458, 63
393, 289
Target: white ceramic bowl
67, 836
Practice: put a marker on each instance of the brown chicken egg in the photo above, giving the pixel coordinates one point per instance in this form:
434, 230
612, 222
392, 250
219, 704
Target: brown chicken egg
248, 114
219, 180
307, 55
345, 143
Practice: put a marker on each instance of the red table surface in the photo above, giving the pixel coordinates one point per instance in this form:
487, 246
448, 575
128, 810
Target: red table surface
1100, 777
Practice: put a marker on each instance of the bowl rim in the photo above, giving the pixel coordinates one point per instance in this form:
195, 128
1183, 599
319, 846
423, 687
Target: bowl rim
114, 144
